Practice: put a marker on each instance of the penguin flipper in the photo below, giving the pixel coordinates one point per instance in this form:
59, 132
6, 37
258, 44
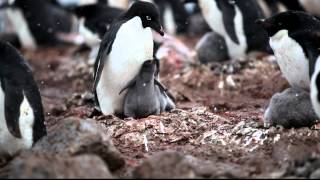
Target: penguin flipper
313, 55
130, 84
13, 100
310, 42
105, 49
229, 14
164, 90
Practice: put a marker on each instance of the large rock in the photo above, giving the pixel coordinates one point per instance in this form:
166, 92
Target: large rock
212, 48
49, 166
168, 165
165, 165
78, 137
291, 108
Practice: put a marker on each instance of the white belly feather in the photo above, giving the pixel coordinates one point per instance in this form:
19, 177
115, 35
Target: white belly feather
9, 145
214, 18
293, 63
133, 45
314, 88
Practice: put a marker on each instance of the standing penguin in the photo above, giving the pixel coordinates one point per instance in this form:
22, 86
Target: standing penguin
45, 20
293, 107
174, 16
294, 37
146, 96
125, 47
95, 20
286, 31
21, 111
234, 21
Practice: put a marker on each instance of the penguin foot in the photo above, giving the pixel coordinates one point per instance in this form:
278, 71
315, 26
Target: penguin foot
291, 108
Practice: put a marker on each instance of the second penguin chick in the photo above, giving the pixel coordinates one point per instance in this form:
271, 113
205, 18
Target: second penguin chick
146, 96
291, 108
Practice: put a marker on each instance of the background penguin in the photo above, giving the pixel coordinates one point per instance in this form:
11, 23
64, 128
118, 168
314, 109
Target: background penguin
21, 111
173, 16
95, 20
285, 30
212, 48
311, 6
77, 3
234, 20
45, 21
146, 96
123, 50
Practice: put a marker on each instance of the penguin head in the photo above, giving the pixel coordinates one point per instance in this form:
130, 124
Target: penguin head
148, 70
148, 13
292, 21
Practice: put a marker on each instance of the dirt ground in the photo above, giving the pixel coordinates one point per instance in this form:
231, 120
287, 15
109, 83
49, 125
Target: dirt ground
218, 120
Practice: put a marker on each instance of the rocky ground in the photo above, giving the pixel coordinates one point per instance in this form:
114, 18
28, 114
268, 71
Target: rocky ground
216, 132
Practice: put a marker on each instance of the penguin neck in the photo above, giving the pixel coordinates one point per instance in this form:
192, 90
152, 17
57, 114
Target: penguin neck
281, 35
145, 83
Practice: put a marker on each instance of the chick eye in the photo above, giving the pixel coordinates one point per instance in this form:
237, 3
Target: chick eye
148, 18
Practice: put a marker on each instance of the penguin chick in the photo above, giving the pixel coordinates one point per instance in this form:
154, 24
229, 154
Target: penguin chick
291, 108
212, 48
146, 96
21, 111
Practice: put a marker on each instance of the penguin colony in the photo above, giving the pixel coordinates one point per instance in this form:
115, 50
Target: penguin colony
126, 72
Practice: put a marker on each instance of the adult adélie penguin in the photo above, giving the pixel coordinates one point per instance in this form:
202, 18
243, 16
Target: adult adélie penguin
124, 48
289, 39
295, 40
21, 111
234, 21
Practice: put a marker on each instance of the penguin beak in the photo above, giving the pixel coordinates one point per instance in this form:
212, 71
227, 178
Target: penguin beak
158, 28
161, 31
263, 23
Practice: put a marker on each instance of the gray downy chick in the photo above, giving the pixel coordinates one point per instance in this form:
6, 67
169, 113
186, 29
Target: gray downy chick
291, 108
212, 48
146, 95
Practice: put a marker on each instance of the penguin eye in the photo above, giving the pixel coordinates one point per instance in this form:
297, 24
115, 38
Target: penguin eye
148, 18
